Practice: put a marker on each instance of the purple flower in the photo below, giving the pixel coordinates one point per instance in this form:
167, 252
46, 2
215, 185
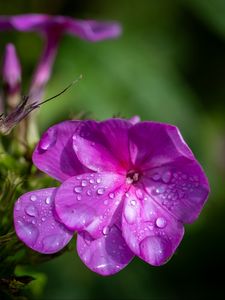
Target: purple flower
52, 29
127, 189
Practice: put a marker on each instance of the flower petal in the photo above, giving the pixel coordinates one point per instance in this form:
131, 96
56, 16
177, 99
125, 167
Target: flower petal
106, 255
90, 30
180, 187
154, 144
106, 144
89, 202
54, 153
35, 223
149, 231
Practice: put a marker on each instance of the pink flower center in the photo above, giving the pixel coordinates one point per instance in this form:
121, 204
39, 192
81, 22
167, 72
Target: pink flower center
132, 176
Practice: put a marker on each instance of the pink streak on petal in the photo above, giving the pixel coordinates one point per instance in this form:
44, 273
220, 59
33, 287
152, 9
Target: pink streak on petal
35, 223
54, 153
106, 255
90, 202
150, 232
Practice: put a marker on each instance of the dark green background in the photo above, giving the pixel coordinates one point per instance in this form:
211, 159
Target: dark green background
168, 66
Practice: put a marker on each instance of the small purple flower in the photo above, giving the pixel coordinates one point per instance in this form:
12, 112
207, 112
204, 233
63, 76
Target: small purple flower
52, 29
127, 189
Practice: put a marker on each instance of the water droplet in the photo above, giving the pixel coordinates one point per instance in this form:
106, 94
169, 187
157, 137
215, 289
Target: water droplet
160, 222
48, 139
78, 197
111, 195
33, 198
133, 202
89, 192
160, 189
52, 243
43, 219
27, 232
166, 177
98, 180
79, 177
105, 230
92, 181
105, 202
84, 182
100, 191
78, 189
48, 200
156, 176
31, 210
139, 193
127, 195
130, 214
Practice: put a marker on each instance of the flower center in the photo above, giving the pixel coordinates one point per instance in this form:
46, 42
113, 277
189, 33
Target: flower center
132, 176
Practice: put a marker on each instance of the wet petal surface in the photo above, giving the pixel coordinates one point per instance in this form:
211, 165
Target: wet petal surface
35, 223
106, 255
54, 153
181, 188
149, 231
90, 201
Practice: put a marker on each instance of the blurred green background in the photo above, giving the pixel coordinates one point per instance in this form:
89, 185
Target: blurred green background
168, 66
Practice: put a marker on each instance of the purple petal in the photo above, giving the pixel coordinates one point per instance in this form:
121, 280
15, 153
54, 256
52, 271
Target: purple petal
89, 202
11, 69
180, 187
106, 255
90, 30
154, 144
54, 153
103, 146
35, 223
149, 231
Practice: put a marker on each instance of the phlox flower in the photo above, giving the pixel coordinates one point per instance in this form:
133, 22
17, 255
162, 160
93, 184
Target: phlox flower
127, 188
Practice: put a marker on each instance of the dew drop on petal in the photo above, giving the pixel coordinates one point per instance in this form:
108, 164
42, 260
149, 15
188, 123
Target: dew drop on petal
111, 195
89, 192
98, 180
48, 200
166, 177
78, 197
92, 181
105, 202
84, 182
133, 202
160, 222
160, 189
52, 243
130, 214
27, 232
100, 191
156, 176
48, 139
105, 230
31, 210
78, 189
33, 198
